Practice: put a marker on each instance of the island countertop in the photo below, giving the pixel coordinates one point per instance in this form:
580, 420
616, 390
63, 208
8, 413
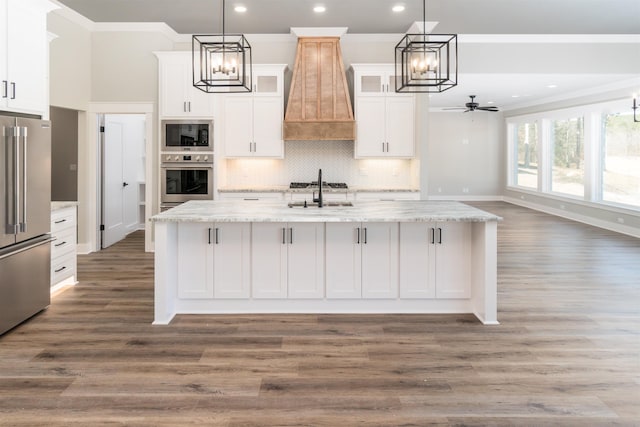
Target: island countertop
361, 211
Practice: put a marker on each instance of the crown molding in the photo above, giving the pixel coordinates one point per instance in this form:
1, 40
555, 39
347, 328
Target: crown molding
548, 38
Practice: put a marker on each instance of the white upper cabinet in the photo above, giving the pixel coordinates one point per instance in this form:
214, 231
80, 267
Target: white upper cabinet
24, 48
385, 120
252, 122
178, 97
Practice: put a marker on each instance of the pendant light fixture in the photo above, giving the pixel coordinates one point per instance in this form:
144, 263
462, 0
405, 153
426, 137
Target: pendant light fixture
635, 107
221, 62
426, 62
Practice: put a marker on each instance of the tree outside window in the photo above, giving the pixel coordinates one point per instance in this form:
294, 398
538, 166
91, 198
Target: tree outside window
620, 159
527, 151
568, 156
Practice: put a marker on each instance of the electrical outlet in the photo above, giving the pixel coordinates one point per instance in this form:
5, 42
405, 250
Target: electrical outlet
465, 189
465, 141
439, 189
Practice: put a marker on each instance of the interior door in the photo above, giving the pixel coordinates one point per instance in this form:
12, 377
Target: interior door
122, 147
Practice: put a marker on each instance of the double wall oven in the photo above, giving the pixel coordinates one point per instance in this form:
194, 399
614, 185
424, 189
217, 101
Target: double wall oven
186, 162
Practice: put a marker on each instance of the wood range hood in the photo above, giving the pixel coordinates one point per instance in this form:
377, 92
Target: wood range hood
319, 106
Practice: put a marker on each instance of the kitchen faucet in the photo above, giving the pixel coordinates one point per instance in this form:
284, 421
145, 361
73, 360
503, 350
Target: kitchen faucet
319, 199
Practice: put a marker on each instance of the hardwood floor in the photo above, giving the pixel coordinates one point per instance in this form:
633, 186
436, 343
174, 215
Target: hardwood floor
567, 351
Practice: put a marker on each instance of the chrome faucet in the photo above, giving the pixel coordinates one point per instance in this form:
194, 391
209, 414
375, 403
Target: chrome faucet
319, 199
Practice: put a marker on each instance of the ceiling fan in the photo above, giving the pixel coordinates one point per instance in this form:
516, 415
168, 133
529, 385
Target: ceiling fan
473, 106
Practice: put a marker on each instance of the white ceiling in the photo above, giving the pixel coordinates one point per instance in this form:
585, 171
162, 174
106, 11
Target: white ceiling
375, 16
475, 17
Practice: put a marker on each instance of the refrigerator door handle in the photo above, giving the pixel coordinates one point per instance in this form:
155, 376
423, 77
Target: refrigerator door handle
23, 224
7, 254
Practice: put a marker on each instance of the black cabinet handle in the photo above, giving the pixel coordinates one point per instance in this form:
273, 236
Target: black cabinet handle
440, 236
217, 235
284, 237
13, 90
209, 235
59, 270
61, 221
433, 235
365, 235
291, 236
5, 88
358, 230
60, 244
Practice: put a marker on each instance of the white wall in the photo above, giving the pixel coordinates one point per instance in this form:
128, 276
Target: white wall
465, 151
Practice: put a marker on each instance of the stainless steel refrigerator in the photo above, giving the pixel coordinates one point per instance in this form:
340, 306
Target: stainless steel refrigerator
25, 212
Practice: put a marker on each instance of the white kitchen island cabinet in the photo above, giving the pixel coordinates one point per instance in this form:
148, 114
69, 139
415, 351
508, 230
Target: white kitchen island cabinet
287, 260
214, 260
372, 257
362, 260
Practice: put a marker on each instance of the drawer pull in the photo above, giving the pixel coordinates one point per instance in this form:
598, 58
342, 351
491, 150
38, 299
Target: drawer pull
61, 221
60, 269
60, 244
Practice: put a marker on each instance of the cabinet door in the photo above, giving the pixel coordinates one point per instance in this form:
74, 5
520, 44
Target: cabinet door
305, 260
195, 260
267, 82
231, 260
200, 103
370, 83
380, 260
238, 125
267, 127
453, 259
400, 123
268, 260
4, 78
27, 65
173, 100
343, 260
370, 127
417, 260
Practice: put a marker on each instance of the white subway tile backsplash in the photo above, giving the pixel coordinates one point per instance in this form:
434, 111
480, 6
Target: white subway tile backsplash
335, 158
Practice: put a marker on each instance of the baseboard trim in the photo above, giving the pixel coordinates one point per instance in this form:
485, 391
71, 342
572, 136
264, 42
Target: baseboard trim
467, 198
618, 228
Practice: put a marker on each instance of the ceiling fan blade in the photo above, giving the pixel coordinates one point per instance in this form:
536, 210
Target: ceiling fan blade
453, 108
494, 109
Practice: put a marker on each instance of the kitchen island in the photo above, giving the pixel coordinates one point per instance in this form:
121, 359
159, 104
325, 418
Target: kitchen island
220, 257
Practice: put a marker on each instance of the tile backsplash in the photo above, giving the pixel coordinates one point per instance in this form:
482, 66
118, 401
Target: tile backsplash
335, 158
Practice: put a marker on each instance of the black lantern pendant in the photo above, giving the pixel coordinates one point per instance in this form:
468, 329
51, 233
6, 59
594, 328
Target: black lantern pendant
426, 62
221, 62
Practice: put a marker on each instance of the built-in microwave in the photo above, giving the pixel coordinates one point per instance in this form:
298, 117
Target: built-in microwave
187, 135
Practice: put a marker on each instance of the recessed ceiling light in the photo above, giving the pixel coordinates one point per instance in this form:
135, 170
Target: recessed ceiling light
490, 102
515, 96
398, 8
319, 9
240, 9
552, 86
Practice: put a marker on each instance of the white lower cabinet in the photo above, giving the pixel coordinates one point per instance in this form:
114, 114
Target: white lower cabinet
213, 260
287, 260
435, 260
63, 247
362, 260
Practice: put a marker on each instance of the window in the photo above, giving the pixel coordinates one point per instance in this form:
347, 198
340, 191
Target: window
567, 141
620, 160
527, 155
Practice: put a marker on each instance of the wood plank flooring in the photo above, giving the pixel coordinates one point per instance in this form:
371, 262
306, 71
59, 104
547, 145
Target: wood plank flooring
567, 351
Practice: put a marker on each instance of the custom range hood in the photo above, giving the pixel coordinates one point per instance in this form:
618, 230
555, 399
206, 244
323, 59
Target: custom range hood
319, 106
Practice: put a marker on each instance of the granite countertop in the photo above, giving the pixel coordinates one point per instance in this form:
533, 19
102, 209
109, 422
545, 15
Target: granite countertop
325, 189
398, 211
55, 206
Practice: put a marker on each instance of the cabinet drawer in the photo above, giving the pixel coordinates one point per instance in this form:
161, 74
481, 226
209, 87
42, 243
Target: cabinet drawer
63, 268
65, 242
62, 219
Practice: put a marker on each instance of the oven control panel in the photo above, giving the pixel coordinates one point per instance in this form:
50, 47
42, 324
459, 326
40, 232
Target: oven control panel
187, 158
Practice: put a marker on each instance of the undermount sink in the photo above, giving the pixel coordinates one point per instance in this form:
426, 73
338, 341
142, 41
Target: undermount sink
331, 204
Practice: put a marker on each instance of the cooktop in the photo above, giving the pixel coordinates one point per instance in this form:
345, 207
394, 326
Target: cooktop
314, 184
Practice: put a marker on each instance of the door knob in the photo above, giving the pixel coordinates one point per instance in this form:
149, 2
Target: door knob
124, 184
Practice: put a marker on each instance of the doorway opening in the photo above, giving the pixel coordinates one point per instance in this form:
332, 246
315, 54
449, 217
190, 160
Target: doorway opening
121, 154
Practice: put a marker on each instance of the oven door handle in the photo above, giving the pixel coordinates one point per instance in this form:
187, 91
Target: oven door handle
186, 166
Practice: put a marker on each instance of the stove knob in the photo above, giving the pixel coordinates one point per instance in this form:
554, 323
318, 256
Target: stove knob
206, 158
168, 158
197, 158
176, 158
